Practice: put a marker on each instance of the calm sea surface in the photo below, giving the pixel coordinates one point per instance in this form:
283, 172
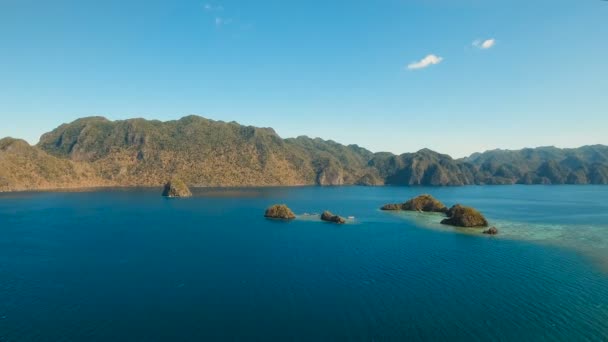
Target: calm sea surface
129, 265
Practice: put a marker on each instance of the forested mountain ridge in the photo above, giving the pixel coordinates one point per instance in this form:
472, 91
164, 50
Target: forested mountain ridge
543, 165
95, 151
24, 167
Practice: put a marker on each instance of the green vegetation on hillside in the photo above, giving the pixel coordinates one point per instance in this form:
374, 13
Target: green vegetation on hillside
543, 165
23, 167
98, 152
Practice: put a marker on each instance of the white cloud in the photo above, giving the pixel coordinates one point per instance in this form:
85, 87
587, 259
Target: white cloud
484, 44
425, 62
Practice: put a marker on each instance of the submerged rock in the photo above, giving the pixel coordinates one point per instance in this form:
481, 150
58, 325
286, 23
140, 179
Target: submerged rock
426, 203
280, 211
462, 216
176, 188
329, 217
491, 231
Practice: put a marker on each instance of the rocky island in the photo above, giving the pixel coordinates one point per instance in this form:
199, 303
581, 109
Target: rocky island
458, 215
280, 211
461, 216
425, 203
176, 188
329, 217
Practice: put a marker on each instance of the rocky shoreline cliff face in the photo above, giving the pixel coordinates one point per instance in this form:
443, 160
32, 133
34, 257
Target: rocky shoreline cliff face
98, 152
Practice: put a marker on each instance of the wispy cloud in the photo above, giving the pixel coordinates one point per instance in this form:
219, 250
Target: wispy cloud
213, 8
425, 62
484, 44
219, 21
216, 12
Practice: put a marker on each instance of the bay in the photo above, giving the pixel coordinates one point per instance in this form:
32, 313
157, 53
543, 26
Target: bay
129, 265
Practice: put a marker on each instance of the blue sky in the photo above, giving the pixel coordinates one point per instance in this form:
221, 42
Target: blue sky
331, 69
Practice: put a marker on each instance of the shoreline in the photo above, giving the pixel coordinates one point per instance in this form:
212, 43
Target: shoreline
117, 186
126, 187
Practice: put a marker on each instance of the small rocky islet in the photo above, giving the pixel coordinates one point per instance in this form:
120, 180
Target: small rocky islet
279, 211
329, 217
461, 216
425, 203
176, 188
458, 215
283, 212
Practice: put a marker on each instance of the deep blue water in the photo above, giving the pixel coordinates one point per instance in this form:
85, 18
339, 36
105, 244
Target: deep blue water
128, 265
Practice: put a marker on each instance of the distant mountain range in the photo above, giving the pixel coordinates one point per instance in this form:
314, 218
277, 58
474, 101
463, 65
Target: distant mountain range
95, 151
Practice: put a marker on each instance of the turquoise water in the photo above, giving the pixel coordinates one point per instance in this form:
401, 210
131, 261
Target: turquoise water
128, 265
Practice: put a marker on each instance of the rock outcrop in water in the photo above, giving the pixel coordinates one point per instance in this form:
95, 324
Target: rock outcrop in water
426, 203
329, 217
491, 231
176, 188
461, 216
458, 215
280, 211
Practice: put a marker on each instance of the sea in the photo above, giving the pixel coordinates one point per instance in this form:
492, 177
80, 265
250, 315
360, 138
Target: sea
130, 265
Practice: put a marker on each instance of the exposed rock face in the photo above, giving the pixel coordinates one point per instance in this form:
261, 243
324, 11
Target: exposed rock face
425, 203
542, 165
280, 211
176, 188
369, 179
424, 167
462, 216
330, 176
329, 217
491, 231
